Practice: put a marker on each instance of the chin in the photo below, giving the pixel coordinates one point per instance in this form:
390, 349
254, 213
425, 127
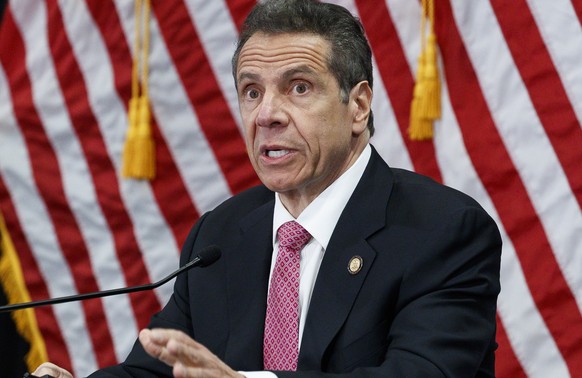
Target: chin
278, 186
275, 188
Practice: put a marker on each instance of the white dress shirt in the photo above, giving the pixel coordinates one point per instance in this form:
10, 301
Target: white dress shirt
319, 218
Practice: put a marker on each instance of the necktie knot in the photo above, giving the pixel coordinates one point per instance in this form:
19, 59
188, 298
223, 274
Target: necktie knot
292, 235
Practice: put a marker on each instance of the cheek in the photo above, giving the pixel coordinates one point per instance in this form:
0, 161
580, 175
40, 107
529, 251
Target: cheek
332, 129
247, 115
249, 127
249, 139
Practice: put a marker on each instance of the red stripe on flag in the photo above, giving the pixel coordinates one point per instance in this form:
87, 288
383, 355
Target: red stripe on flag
168, 187
398, 80
548, 287
36, 286
544, 86
48, 179
213, 113
506, 363
577, 4
102, 170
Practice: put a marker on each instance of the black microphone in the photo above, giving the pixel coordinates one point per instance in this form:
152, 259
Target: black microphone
205, 257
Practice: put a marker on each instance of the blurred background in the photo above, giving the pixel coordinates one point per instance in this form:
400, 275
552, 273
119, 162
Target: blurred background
510, 135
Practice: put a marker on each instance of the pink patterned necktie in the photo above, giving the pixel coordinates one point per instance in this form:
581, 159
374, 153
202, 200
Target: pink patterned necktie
281, 341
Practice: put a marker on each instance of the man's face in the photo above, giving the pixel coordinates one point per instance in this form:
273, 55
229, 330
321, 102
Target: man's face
299, 135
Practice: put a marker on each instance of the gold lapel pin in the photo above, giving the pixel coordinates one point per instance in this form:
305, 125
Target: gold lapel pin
355, 265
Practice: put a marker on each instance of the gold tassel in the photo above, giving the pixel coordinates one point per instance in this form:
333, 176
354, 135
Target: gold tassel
420, 126
139, 150
129, 147
13, 282
144, 165
432, 98
426, 102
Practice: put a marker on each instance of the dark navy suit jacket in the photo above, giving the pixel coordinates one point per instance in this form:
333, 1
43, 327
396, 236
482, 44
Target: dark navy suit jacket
423, 304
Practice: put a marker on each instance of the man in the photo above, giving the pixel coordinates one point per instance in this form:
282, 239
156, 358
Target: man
399, 276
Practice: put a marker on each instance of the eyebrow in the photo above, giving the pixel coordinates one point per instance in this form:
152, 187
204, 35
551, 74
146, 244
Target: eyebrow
246, 75
286, 75
301, 69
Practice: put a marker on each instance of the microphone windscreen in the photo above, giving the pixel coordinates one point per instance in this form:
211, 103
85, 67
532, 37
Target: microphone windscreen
209, 255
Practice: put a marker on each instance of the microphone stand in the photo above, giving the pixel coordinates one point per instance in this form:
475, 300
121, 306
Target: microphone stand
206, 257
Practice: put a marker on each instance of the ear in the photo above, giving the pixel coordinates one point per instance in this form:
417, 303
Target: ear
360, 104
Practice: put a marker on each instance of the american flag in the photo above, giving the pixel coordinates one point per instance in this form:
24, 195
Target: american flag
510, 136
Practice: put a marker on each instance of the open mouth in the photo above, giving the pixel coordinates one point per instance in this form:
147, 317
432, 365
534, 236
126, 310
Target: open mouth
276, 153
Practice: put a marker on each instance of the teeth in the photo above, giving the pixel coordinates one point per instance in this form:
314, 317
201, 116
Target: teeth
277, 153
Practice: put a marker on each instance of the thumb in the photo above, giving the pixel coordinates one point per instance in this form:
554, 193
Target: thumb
52, 370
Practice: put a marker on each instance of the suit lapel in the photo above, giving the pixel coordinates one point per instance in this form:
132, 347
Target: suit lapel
336, 288
247, 277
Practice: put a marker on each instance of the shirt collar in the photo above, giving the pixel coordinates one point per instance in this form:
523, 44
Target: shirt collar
322, 214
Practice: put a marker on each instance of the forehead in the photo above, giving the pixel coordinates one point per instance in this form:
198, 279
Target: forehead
283, 51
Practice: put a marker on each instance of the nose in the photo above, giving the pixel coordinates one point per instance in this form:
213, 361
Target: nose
271, 111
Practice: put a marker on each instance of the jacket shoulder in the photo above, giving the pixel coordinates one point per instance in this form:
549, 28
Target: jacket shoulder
239, 206
424, 191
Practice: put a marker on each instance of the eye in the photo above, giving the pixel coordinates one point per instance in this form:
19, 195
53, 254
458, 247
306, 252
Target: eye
251, 93
300, 88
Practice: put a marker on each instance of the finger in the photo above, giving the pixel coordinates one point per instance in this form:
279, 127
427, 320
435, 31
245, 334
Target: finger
187, 353
198, 363
220, 370
154, 345
148, 342
163, 335
181, 371
53, 370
